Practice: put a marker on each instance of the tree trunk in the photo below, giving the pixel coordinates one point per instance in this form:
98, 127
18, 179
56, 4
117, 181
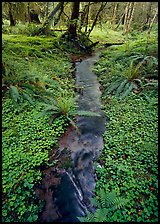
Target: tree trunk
96, 18
59, 15
151, 24
126, 16
114, 17
148, 16
72, 30
47, 24
47, 9
12, 20
28, 10
85, 16
129, 16
122, 18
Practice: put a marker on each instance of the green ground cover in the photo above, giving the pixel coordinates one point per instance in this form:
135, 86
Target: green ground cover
129, 160
35, 71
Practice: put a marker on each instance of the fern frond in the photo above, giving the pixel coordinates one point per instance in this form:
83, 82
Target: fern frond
85, 113
151, 84
109, 198
14, 94
89, 217
27, 97
127, 91
121, 86
107, 201
102, 195
95, 202
112, 87
50, 109
119, 203
29, 87
154, 59
100, 215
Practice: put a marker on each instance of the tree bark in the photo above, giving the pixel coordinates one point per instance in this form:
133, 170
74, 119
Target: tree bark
114, 17
151, 24
122, 17
72, 29
148, 16
96, 18
129, 16
59, 15
85, 15
12, 20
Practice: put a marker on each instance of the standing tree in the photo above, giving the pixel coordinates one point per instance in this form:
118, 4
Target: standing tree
152, 21
11, 14
115, 9
49, 21
149, 12
72, 29
129, 16
103, 4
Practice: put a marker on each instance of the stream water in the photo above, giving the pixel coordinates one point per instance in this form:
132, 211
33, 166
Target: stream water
67, 192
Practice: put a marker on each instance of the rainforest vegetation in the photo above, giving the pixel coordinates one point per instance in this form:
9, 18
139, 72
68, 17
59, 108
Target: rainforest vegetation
41, 43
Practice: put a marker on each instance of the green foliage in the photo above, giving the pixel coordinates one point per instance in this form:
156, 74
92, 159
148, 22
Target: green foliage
30, 30
34, 77
34, 70
66, 105
130, 156
27, 140
129, 160
127, 71
105, 202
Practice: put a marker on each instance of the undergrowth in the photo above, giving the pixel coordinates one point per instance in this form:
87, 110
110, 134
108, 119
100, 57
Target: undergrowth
129, 160
27, 139
131, 67
35, 70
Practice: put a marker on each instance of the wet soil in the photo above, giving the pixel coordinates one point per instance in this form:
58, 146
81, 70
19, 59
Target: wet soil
68, 186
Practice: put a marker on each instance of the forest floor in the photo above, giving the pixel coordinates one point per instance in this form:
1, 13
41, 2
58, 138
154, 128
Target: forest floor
38, 69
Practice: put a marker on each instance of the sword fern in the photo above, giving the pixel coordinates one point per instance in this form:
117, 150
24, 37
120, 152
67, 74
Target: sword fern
105, 202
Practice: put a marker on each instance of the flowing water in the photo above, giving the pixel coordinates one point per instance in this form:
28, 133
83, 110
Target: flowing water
67, 192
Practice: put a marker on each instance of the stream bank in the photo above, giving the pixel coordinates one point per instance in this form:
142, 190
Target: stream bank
67, 191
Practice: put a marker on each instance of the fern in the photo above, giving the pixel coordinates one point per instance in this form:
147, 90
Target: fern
106, 202
85, 113
138, 81
66, 106
15, 96
112, 87
128, 89
27, 97
151, 84
121, 86
100, 215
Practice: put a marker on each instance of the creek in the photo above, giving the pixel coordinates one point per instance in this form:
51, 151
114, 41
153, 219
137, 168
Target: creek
67, 191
